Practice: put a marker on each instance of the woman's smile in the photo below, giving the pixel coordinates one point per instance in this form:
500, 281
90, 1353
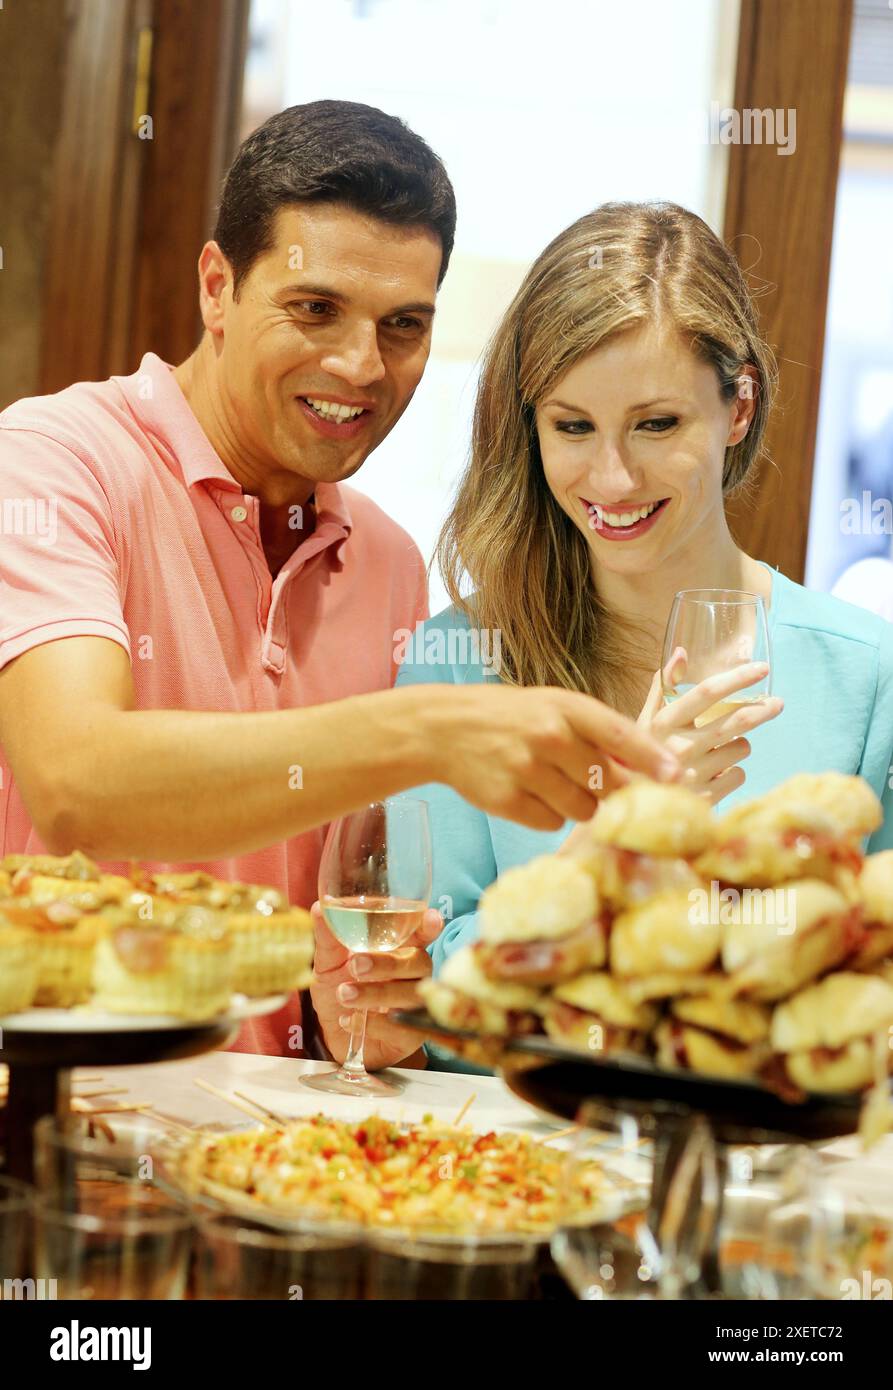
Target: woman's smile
623, 523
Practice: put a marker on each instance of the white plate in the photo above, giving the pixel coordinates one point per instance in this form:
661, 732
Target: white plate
83, 1019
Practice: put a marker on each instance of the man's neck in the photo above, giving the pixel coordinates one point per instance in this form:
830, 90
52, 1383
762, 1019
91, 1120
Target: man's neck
198, 379
287, 510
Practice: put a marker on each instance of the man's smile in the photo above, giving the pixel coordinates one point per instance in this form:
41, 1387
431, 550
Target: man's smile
335, 418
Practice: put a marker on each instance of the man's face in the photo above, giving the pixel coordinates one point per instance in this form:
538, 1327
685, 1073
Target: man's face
320, 354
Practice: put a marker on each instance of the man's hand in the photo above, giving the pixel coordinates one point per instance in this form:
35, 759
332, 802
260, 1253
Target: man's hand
541, 755
379, 982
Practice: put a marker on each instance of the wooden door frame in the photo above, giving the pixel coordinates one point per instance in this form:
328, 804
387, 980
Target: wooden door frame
779, 219
134, 202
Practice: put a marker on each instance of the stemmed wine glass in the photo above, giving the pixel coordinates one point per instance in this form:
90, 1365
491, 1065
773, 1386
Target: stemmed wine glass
374, 889
710, 632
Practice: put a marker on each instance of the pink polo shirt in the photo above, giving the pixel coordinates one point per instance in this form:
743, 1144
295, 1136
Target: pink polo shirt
118, 520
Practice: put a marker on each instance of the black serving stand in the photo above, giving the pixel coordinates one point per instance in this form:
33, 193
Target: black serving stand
40, 1066
558, 1080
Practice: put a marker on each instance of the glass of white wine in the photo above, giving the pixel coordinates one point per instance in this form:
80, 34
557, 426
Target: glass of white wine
710, 632
374, 889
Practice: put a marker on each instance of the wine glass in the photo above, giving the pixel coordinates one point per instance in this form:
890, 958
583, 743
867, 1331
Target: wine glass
650, 1232
374, 888
711, 632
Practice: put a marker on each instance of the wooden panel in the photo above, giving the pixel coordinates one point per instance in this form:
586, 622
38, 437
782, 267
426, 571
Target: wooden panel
779, 219
198, 60
33, 46
85, 218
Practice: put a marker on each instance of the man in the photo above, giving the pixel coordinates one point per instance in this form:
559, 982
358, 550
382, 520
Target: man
197, 632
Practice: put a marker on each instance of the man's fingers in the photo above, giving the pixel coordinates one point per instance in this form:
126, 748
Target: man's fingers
330, 954
432, 926
570, 801
407, 963
395, 994
619, 737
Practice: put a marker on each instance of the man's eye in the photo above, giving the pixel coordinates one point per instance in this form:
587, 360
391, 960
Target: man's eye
404, 322
316, 308
573, 426
660, 424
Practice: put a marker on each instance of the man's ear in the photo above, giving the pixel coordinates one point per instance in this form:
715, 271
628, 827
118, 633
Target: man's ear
215, 279
748, 387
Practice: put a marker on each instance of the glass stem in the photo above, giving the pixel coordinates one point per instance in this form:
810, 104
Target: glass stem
353, 1062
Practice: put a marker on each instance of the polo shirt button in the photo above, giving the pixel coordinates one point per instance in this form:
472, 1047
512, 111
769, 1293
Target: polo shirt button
238, 513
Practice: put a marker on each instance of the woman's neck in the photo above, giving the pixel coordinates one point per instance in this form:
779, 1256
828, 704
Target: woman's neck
646, 599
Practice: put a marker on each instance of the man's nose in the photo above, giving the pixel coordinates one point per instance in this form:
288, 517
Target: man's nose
357, 357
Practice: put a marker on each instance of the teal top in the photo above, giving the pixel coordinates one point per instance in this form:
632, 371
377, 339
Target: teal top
832, 664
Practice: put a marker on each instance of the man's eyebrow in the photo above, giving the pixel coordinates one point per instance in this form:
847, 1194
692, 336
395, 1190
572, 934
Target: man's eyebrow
326, 292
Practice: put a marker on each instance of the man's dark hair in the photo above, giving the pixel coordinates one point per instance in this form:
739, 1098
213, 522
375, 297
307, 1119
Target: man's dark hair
331, 152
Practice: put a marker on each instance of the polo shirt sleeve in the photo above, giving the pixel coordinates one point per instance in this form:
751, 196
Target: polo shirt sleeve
59, 559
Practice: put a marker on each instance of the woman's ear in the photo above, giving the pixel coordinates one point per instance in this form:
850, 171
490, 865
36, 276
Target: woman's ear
745, 403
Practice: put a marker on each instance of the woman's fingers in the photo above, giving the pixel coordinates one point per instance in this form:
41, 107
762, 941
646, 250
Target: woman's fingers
715, 690
654, 701
741, 721
728, 781
716, 760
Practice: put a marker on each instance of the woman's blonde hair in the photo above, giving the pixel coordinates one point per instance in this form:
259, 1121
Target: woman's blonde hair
620, 267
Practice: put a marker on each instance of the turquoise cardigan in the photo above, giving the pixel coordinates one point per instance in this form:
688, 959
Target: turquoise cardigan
832, 663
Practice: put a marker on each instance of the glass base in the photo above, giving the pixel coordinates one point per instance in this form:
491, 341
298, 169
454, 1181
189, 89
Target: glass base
344, 1083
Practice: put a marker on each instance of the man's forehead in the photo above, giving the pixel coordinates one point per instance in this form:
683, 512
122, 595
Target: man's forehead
336, 241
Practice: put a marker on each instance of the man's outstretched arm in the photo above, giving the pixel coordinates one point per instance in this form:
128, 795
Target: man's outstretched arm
99, 775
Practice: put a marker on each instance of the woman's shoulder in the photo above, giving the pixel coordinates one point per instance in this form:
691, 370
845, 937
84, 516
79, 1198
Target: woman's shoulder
799, 607
448, 647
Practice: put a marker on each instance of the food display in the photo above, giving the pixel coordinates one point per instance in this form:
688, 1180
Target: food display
151, 943
756, 946
391, 1176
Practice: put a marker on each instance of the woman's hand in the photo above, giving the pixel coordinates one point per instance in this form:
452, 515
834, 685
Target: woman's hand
380, 982
710, 751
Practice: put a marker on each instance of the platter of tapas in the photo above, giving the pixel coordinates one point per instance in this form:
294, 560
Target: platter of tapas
741, 965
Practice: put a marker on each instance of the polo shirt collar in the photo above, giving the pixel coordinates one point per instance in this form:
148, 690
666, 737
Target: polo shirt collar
160, 406
158, 403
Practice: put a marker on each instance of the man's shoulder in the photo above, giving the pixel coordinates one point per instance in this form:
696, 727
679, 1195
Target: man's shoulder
79, 420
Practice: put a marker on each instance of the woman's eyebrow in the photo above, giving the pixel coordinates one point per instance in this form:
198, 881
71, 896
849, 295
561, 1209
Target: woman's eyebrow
563, 405
581, 410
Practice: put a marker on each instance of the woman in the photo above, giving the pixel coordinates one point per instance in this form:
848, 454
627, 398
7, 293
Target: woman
623, 398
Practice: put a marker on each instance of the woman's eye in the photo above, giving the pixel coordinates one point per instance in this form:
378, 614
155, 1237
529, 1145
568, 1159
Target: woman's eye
660, 424
573, 426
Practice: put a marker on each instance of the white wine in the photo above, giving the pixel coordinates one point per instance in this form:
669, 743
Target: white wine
367, 923
720, 709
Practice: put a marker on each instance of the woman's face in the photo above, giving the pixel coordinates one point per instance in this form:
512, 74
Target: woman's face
633, 440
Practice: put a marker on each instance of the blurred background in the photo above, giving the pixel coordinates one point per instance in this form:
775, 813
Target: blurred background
121, 116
